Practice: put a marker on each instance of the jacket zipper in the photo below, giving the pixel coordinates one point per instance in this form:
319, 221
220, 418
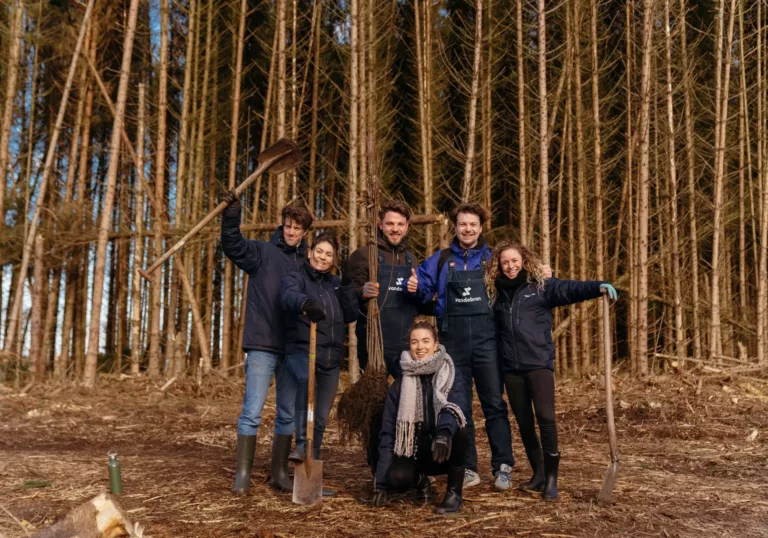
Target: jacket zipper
466, 259
512, 324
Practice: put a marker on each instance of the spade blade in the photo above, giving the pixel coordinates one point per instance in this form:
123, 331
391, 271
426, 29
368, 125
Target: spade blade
308, 482
281, 156
609, 482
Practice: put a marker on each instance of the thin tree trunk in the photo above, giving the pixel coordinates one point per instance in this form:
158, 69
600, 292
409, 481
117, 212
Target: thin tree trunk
36, 358
598, 156
466, 185
315, 94
643, 194
722, 91
678, 298
106, 211
281, 8
10, 95
521, 137
138, 249
544, 132
15, 315
227, 339
691, 156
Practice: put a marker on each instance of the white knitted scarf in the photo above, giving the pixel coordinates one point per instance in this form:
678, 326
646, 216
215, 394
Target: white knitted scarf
411, 409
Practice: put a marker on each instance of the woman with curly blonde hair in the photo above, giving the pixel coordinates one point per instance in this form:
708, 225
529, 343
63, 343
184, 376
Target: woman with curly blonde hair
522, 303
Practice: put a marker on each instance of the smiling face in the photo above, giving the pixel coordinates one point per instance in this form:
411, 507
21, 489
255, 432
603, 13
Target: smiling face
321, 256
423, 344
511, 262
394, 227
293, 232
468, 229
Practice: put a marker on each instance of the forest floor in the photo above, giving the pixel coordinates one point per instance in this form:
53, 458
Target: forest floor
694, 462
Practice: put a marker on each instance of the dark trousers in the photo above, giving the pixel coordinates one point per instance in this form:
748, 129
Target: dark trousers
533, 392
326, 383
404, 473
471, 343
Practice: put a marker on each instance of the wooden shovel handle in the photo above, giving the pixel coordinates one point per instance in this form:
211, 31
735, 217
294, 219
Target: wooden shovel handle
311, 394
607, 351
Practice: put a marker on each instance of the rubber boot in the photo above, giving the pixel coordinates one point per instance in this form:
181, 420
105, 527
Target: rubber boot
299, 455
423, 488
538, 480
551, 465
281, 446
246, 445
452, 502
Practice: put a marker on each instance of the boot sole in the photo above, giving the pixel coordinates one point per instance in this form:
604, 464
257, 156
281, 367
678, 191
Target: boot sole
529, 489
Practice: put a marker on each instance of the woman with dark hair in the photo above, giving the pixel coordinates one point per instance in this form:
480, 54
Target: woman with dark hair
423, 429
523, 302
314, 294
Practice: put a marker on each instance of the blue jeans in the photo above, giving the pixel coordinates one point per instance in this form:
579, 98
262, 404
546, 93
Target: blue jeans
260, 367
326, 383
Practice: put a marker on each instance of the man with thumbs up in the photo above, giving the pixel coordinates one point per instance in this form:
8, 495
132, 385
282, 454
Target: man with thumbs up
396, 265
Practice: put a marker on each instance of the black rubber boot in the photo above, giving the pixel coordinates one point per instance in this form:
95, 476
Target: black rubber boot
538, 480
281, 446
452, 502
299, 455
551, 465
423, 492
246, 445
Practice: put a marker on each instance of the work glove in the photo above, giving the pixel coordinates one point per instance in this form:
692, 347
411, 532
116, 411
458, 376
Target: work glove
370, 290
380, 498
610, 290
313, 310
441, 446
232, 199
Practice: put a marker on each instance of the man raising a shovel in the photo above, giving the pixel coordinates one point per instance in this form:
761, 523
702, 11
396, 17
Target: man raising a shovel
266, 263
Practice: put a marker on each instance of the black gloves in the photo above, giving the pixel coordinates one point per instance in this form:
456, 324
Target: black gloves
232, 199
313, 310
441, 446
380, 498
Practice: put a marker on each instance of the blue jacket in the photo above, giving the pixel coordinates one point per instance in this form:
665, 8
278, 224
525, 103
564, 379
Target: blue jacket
265, 263
431, 283
340, 306
524, 321
446, 420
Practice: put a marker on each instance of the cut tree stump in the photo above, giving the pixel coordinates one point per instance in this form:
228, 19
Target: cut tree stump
101, 517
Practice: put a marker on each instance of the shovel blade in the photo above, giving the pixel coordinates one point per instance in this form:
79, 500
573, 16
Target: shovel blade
609, 482
285, 154
308, 482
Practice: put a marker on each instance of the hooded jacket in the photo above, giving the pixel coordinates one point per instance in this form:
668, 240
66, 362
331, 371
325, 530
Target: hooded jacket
357, 264
266, 263
524, 321
446, 419
340, 307
431, 283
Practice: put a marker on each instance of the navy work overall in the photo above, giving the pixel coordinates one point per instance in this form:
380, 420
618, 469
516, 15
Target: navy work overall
467, 329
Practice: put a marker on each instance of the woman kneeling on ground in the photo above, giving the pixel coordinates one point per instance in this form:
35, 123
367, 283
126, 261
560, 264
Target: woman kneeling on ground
523, 309
423, 431
314, 294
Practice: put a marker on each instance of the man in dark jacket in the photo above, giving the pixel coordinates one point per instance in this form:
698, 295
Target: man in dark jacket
266, 263
468, 331
398, 308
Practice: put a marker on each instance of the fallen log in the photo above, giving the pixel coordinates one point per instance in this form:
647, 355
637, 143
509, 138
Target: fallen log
101, 517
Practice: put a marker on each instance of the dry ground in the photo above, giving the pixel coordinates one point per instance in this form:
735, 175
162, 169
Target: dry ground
692, 465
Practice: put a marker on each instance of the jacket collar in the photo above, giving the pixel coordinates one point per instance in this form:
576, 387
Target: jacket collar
315, 275
279, 241
480, 247
383, 244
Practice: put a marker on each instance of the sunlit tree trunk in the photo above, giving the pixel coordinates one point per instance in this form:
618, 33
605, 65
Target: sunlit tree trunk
466, 185
11, 75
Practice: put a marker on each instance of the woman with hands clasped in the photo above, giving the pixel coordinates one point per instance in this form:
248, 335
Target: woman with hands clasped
314, 294
523, 303
423, 431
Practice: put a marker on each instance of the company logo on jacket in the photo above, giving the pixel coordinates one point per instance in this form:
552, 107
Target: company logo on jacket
466, 298
398, 285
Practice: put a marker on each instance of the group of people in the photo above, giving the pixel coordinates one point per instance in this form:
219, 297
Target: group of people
494, 325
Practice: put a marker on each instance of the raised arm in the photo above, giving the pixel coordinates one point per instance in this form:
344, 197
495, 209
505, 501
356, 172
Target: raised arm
244, 253
564, 292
